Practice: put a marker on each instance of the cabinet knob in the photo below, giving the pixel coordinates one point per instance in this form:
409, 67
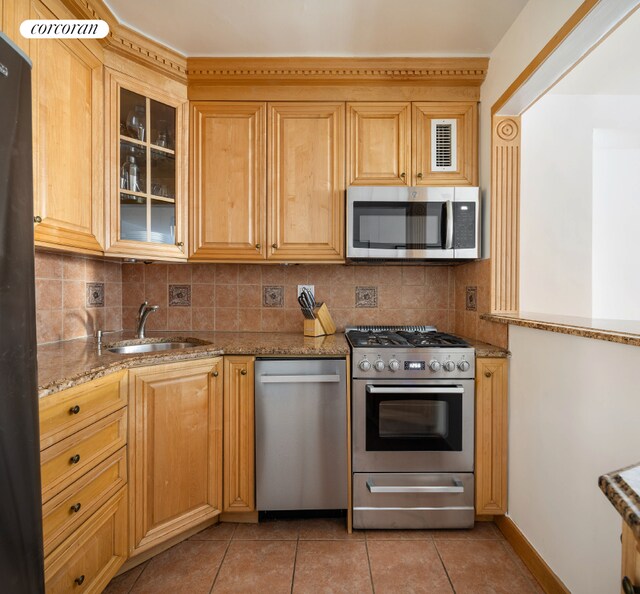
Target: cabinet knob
628, 587
180, 243
74, 410
215, 374
74, 459
74, 509
403, 175
258, 246
37, 219
243, 372
419, 176
487, 374
274, 246
79, 580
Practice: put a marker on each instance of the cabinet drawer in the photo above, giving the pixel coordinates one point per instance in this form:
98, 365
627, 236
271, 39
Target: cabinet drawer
64, 462
66, 412
66, 511
92, 555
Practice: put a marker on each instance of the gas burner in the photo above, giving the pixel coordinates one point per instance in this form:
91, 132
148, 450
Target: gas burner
402, 336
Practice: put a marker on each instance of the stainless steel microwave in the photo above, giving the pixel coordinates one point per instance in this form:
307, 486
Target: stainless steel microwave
413, 223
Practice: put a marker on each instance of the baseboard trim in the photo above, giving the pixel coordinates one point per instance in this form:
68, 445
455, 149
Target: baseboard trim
548, 580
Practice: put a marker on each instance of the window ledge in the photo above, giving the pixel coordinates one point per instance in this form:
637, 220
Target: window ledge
621, 331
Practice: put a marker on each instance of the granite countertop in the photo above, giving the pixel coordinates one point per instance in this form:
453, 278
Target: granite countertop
62, 365
620, 331
622, 488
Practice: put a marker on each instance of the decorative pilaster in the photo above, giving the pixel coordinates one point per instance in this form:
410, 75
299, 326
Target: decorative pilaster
505, 213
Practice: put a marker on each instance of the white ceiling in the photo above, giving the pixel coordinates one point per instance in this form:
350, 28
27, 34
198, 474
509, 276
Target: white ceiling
411, 28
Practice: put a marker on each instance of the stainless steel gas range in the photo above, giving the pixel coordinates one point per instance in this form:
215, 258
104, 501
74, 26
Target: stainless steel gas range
412, 428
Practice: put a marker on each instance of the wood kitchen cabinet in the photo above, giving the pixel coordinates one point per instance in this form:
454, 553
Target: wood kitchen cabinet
229, 193
175, 449
68, 137
630, 557
491, 435
414, 144
239, 442
292, 212
146, 166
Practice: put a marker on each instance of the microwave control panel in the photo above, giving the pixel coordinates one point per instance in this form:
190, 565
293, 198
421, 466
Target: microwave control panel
464, 225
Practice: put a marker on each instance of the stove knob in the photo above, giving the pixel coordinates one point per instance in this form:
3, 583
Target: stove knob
434, 365
449, 366
464, 366
394, 365
364, 365
379, 365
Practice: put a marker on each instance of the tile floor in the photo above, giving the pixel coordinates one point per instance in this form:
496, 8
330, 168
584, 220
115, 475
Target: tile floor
318, 556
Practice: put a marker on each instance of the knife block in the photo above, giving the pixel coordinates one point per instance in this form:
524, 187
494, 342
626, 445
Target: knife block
323, 324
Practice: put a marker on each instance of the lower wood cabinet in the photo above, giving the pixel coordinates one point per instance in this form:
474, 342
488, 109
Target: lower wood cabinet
491, 435
239, 442
92, 555
630, 557
175, 449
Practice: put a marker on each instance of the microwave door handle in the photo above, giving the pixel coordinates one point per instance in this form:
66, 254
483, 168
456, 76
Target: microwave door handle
455, 488
411, 390
448, 242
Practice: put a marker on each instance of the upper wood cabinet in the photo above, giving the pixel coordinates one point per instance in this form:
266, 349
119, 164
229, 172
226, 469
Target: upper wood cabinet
306, 181
228, 185
491, 435
67, 139
293, 213
379, 151
146, 167
175, 449
412, 144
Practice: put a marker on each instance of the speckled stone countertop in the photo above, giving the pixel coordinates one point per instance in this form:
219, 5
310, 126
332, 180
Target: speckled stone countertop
622, 488
621, 331
62, 365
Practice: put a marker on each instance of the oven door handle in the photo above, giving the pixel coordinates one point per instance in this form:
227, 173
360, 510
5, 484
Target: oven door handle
455, 488
416, 390
300, 379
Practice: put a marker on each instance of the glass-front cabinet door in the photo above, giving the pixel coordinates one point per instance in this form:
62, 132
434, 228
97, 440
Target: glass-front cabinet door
148, 171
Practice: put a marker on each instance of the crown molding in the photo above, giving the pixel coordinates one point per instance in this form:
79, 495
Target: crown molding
127, 42
426, 71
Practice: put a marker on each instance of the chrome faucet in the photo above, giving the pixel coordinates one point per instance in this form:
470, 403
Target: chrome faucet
143, 314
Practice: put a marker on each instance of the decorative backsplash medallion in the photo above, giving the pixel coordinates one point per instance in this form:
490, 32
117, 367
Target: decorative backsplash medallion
472, 298
95, 295
273, 296
366, 296
179, 296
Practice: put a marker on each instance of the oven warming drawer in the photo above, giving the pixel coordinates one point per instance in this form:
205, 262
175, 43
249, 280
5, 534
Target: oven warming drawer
413, 500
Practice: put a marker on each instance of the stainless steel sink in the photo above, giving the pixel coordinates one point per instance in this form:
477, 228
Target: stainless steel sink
150, 347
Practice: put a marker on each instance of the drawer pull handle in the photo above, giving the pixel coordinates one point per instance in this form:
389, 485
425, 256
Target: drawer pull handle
215, 374
74, 459
74, 410
243, 372
79, 580
75, 508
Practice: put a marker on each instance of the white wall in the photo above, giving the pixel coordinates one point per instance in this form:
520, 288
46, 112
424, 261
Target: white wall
574, 410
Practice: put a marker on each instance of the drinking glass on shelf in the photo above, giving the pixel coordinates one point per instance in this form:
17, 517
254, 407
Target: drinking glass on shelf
136, 122
161, 139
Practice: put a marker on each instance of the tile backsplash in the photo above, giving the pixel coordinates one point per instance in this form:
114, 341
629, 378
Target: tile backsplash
75, 296
255, 298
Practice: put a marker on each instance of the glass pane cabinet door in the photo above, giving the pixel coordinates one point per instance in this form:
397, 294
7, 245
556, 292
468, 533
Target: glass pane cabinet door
147, 174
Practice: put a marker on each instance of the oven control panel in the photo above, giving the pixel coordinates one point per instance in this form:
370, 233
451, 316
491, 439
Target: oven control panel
417, 363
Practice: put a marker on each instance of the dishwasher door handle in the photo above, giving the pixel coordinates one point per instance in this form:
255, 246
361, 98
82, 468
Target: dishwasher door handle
300, 379
455, 488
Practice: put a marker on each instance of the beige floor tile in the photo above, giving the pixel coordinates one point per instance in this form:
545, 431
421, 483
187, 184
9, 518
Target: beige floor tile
257, 566
268, 530
190, 568
220, 531
332, 567
481, 567
406, 566
327, 529
481, 531
123, 583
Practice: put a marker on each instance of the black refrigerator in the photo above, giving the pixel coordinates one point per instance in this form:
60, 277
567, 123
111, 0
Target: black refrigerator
21, 555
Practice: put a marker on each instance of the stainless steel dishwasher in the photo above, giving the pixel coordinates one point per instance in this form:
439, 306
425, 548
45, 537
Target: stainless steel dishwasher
301, 434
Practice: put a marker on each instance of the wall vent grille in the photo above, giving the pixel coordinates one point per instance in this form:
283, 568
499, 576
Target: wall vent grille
443, 145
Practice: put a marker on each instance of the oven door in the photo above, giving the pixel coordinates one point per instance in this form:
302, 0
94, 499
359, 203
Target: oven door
400, 222
413, 426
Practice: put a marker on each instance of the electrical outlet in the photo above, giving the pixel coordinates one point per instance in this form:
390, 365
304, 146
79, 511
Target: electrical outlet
309, 288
